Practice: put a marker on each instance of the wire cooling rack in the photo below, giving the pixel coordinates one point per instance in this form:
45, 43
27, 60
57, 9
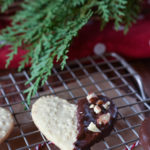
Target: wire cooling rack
107, 74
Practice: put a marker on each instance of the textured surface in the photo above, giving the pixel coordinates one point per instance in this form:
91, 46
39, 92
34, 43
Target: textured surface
56, 119
94, 127
6, 124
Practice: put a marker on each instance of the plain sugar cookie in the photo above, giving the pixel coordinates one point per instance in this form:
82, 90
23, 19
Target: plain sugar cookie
6, 124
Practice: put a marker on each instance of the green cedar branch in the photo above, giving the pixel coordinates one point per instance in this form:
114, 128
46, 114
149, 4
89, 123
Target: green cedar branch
45, 28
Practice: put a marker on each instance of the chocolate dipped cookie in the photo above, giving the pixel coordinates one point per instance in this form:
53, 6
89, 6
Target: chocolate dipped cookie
74, 126
145, 134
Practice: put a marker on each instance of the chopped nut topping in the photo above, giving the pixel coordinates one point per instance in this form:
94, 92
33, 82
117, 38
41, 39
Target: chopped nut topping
90, 97
97, 109
103, 119
92, 127
92, 106
106, 105
99, 102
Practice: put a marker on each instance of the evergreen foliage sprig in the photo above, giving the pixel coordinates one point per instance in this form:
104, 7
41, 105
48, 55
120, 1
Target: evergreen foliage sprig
46, 28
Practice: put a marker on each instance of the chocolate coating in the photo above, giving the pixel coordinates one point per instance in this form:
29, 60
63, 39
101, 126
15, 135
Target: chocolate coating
86, 138
145, 134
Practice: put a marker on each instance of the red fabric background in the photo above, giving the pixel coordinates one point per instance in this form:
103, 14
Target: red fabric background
135, 44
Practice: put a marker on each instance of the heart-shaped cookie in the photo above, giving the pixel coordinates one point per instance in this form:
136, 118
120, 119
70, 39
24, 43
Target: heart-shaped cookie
74, 126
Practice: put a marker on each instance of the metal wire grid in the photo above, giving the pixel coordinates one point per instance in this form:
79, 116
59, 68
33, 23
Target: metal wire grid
107, 74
